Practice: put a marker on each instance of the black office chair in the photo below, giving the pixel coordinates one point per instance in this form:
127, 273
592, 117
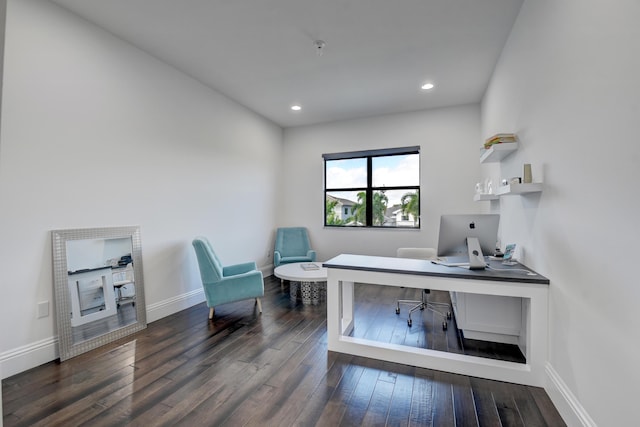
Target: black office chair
427, 254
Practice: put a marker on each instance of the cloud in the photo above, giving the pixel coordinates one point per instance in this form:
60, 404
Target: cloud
396, 171
391, 171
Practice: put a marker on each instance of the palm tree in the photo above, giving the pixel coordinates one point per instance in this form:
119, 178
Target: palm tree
411, 205
380, 201
360, 209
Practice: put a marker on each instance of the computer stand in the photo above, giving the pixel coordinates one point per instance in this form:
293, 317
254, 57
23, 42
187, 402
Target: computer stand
476, 258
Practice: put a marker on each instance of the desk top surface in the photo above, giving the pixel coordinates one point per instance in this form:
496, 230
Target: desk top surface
496, 270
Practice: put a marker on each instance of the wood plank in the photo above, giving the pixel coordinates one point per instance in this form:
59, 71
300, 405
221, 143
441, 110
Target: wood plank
506, 405
486, 410
422, 399
359, 401
443, 413
379, 404
318, 399
400, 405
464, 408
543, 402
339, 401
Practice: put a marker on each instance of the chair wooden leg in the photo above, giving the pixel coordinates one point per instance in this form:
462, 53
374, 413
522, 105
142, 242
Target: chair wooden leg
211, 311
282, 285
259, 304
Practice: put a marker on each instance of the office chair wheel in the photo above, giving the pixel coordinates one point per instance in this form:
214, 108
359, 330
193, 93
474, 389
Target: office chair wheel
409, 322
444, 326
448, 315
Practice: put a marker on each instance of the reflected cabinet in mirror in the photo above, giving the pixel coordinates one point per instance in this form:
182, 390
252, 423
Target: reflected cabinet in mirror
98, 284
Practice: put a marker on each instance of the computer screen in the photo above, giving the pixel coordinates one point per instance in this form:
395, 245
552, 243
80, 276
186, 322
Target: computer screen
454, 230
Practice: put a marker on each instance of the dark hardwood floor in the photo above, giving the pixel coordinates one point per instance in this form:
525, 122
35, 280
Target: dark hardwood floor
269, 370
376, 319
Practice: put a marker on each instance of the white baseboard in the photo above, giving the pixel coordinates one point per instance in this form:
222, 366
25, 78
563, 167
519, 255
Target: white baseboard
28, 356
178, 303
267, 270
565, 401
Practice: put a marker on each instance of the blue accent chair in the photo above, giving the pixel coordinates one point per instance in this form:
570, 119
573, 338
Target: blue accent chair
226, 284
292, 245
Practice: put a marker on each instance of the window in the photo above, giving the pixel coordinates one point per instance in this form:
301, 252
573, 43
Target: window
375, 188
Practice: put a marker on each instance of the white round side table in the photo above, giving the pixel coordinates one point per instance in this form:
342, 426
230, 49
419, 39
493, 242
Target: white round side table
309, 282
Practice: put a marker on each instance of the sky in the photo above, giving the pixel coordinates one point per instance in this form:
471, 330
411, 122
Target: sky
388, 171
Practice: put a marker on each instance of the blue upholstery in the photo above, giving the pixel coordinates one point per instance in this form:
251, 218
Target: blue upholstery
226, 284
292, 245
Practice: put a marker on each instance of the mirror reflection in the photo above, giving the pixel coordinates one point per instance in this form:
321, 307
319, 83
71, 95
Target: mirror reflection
99, 288
102, 286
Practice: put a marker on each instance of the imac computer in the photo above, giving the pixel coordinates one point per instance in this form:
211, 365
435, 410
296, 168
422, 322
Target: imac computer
469, 236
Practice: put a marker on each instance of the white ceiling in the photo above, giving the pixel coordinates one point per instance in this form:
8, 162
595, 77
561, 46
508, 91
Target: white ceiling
261, 53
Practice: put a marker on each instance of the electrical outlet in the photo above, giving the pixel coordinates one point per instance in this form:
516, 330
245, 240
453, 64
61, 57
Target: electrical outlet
43, 309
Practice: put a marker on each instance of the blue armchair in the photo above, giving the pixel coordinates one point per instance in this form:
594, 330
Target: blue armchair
292, 245
226, 284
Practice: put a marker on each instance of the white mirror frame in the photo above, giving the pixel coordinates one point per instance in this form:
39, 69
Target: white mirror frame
59, 239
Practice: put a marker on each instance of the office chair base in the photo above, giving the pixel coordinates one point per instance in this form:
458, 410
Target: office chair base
421, 305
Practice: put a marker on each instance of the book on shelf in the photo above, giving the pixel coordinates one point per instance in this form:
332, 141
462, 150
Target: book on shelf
500, 138
309, 266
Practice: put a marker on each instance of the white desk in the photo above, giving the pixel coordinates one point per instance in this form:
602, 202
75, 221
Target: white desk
345, 270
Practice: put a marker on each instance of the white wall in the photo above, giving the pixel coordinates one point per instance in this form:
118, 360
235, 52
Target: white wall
567, 83
3, 10
97, 133
449, 139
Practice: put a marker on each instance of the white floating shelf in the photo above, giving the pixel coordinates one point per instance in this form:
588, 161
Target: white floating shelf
497, 152
483, 197
534, 187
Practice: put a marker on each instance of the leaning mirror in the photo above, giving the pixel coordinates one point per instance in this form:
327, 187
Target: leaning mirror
98, 285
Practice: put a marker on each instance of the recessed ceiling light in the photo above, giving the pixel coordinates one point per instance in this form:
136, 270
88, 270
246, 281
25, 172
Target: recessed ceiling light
296, 107
427, 86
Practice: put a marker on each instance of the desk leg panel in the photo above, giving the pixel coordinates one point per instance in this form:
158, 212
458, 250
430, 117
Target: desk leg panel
440, 361
340, 308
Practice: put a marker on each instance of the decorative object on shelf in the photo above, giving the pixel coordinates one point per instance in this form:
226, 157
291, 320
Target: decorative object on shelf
527, 174
479, 189
515, 180
500, 138
504, 182
487, 188
484, 191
